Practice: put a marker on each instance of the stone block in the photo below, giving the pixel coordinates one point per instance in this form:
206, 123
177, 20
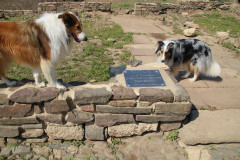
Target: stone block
181, 95
56, 106
144, 104
19, 121
110, 109
176, 108
20, 150
2, 143
65, 132
52, 118
16, 111
155, 95
32, 126
7, 151
37, 109
41, 150
34, 95
190, 32
79, 117
120, 92
125, 130
9, 131
159, 118
32, 133
168, 126
93, 132
92, 95
123, 103
206, 127
106, 120
88, 108
4, 99
36, 140
13, 141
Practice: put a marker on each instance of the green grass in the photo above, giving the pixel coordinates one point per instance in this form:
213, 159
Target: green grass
125, 57
176, 29
19, 73
231, 47
95, 59
123, 5
211, 23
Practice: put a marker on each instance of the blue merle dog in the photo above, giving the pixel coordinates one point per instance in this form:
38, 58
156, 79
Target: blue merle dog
192, 55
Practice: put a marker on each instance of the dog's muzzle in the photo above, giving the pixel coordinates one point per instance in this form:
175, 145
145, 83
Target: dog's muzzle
82, 36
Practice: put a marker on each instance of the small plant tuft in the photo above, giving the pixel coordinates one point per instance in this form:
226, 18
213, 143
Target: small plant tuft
202, 108
173, 136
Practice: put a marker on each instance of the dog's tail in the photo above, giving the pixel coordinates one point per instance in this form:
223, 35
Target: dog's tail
207, 65
213, 68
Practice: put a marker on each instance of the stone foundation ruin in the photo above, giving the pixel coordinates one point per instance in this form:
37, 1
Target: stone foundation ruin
91, 111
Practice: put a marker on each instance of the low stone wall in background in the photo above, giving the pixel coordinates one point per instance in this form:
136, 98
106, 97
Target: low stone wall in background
17, 13
40, 115
56, 7
25, 4
139, 8
163, 8
74, 6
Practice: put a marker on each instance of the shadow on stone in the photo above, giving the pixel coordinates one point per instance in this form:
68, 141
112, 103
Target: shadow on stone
19, 83
194, 115
160, 36
116, 70
201, 77
76, 83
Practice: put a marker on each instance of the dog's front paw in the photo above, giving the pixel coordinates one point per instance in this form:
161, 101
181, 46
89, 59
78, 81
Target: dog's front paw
186, 75
192, 79
41, 85
59, 86
11, 83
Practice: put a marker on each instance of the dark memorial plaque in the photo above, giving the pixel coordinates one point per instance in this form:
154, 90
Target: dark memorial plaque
143, 78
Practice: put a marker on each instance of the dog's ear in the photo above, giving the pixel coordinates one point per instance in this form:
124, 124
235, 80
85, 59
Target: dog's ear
171, 45
160, 43
67, 19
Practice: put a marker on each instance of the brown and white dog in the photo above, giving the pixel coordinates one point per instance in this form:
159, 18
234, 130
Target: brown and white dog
39, 44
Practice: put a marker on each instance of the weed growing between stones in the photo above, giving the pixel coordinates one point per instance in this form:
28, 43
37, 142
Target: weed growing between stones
113, 147
202, 108
88, 156
173, 136
76, 143
150, 138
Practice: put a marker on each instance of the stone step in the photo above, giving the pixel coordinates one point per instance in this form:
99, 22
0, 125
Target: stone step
221, 126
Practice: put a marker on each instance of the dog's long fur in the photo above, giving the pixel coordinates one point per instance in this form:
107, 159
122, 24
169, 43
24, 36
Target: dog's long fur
192, 55
39, 44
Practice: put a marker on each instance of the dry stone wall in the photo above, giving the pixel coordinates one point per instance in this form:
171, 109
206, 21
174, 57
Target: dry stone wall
56, 7
48, 114
24, 4
74, 6
139, 8
162, 8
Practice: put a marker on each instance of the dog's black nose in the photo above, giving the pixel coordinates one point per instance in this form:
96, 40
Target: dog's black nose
85, 39
162, 60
